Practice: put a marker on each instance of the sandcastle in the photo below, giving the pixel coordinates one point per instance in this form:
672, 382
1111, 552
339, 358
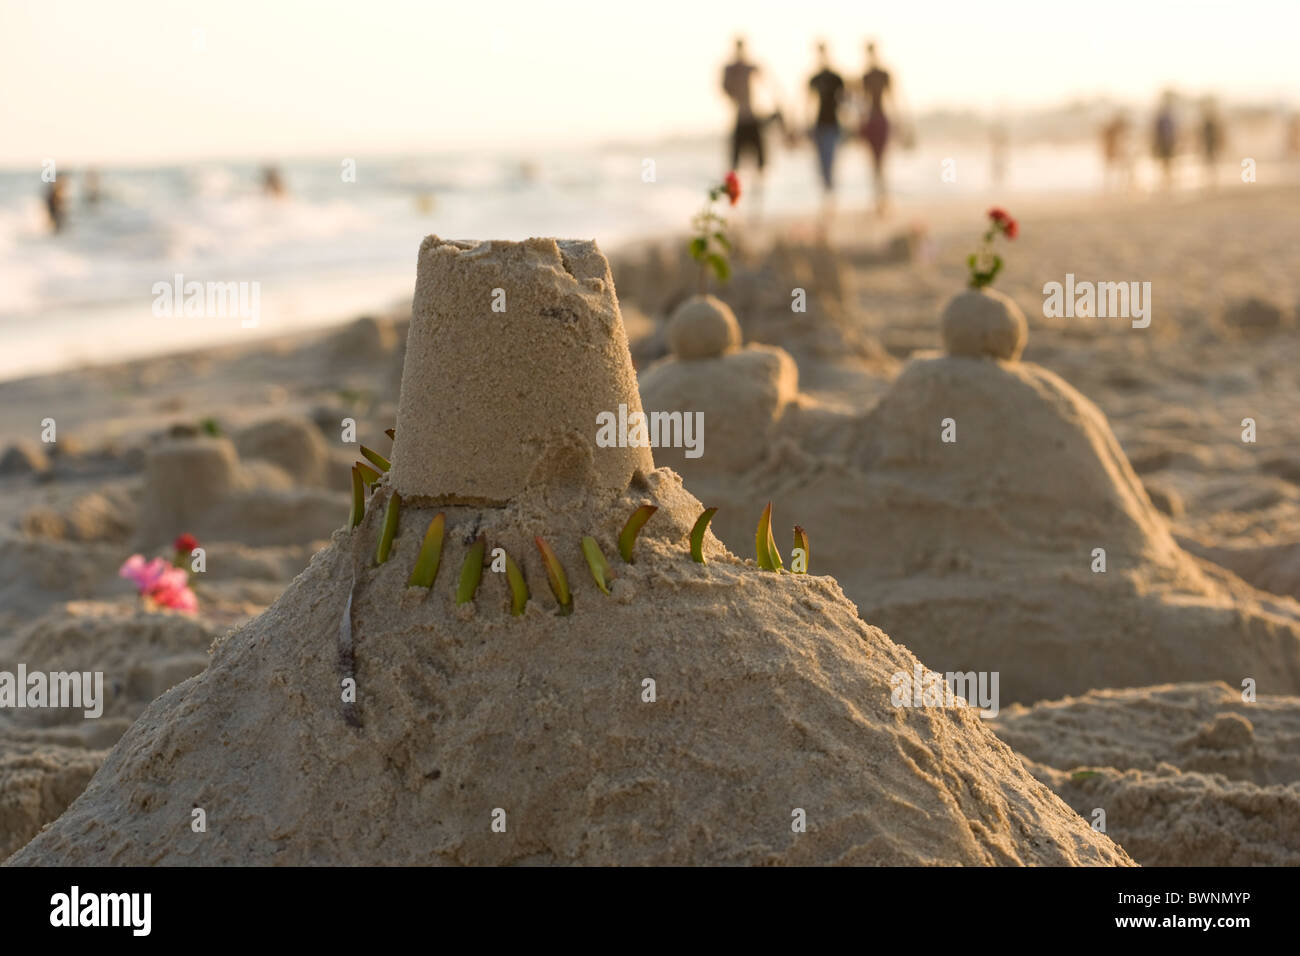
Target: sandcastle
601, 700
984, 515
743, 390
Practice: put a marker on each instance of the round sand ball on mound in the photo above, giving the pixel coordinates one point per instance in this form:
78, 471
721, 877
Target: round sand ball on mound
295, 444
703, 327
184, 480
982, 323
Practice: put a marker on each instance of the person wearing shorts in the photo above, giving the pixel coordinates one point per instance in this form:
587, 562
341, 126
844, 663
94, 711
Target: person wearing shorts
747, 133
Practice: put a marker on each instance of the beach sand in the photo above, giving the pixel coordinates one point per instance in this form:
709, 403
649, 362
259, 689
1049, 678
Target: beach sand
982, 563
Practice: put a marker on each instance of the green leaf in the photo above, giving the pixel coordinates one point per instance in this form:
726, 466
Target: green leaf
471, 571
722, 240
721, 268
518, 587
697, 535
376, 459
596, 561
358, 498
559, 581
801, 542
627, 537
426, 564
385, 544
699, 246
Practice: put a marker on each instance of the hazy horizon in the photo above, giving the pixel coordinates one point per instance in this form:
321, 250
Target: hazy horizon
166, 82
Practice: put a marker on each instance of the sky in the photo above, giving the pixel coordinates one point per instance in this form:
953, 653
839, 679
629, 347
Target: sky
150, 81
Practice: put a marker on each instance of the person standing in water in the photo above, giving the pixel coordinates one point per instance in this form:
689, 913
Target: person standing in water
876, 85
1117, 170
1211, 137
56, 202
747, 133
1164, 140
828, 87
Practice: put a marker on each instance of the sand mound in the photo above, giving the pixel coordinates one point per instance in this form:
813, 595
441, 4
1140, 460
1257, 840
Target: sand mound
978, 553
1254, 316
744, 393
24, 458
293, 444
200, 486
366, 340
798, 297
1002, 526
36, 784
1187, 774
770, 701
141, 654
771, 696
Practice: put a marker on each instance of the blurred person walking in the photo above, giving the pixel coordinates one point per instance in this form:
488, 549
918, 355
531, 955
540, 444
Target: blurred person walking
1164, 140
877, 86
827, 87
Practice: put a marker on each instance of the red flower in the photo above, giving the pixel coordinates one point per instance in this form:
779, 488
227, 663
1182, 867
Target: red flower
1011, 228
185, 543
732, 185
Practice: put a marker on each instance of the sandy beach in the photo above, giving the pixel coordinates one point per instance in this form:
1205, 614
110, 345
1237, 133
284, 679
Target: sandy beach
1160, 687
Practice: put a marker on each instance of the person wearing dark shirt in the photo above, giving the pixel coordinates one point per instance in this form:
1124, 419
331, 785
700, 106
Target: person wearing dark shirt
828, 87
747, 134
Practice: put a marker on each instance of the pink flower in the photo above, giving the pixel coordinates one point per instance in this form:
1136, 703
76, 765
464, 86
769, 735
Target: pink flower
160, 582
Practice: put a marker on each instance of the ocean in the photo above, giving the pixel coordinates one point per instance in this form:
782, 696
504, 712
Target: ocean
336, 245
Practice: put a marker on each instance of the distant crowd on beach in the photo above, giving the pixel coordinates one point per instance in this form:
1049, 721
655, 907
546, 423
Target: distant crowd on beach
828, 93
872, 101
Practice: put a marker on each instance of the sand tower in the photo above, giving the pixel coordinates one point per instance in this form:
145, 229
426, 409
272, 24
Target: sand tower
638, 707
514, 350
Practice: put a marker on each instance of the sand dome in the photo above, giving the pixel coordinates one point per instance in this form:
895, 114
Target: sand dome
742, 394
696, 713
1024, 545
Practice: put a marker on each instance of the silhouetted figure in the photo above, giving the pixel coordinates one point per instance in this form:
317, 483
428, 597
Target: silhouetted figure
876, 86
91, 193
1212, 137
998, 153
747, 133
828, 88
272, 183
1164, 141
1118, 168
56, 202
